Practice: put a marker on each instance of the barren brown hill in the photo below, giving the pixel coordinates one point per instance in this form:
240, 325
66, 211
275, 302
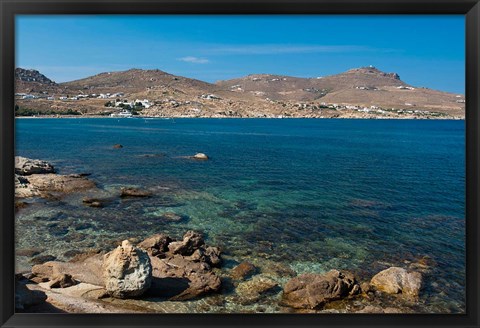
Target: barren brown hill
135, 81
364, 87
362, 92
278, 87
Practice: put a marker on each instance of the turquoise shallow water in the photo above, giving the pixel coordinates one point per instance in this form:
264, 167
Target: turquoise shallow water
312, 194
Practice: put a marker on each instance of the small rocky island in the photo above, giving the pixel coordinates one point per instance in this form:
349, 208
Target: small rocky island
163, 274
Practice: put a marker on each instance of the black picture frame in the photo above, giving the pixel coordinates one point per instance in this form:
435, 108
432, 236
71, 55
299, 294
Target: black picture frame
10, 8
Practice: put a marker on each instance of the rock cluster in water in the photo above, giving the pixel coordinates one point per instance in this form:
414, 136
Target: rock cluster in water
185, 269
158, 266
36, 178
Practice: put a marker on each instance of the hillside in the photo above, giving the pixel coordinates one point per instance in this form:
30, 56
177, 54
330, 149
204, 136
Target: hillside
278, 87
134, 81
30, 80
364, 87
361, 92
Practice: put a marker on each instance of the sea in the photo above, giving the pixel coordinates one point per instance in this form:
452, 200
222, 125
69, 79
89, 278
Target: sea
310, 194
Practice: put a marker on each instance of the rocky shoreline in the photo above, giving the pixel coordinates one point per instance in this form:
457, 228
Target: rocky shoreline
163, 274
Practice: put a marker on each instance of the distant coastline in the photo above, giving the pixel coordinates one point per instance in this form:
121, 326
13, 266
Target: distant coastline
229, 117
364, 92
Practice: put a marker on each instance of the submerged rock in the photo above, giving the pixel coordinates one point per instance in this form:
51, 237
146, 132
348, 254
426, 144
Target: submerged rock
380, 310
134, 192
29, 252
243, 271
251, 291
27, 166
127, 271
171, 216
397, 280
313, 291
93, 202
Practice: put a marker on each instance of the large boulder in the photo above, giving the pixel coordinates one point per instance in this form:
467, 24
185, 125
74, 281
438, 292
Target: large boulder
127, 271
313, 291
27, 166
395, 280
179, 278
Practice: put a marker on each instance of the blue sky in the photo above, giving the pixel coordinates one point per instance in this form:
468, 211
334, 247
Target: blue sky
424, 50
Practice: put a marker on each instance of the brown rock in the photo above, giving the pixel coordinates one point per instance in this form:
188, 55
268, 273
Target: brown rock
210, 255
313, 291
395, 280
117, 146
134, 192
213, 256
191, 242
88, 270
243, 271
45, 183
187, 278
156, 245
62, 281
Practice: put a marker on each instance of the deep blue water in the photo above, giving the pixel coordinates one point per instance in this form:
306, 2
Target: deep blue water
315, 194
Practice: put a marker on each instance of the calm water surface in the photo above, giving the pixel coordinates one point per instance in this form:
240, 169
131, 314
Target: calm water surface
312, 194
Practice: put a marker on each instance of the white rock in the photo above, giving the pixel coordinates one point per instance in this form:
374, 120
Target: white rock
127, 271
